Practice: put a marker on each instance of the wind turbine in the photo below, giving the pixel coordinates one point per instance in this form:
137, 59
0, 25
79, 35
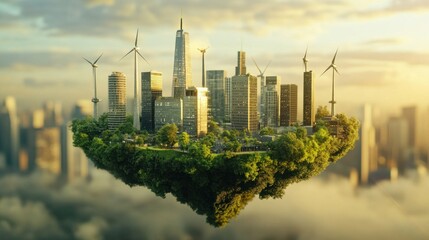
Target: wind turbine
136, 114
95, 100
261, 75
305, 60
203, 51
334, 69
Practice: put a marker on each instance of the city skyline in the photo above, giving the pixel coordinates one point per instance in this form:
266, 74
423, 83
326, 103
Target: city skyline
387, 49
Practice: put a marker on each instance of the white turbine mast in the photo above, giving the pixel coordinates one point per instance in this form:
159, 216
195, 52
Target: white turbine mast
262, 83
136, 110
334, 69
95, 100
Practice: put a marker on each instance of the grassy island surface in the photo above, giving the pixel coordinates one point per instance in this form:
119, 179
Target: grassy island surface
216, 185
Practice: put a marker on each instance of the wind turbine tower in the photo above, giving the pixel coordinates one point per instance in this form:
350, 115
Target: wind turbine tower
262, 90
95, 100
334, 69
137, 109
203, 51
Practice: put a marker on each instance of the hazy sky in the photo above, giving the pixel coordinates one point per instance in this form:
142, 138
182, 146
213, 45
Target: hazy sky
383, 52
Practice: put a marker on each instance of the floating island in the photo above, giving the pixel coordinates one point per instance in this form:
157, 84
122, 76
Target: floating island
217, 185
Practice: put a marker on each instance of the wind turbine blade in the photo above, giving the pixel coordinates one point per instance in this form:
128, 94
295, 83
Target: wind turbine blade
326, 70
257, 66
137, 37
87, 60
126, 54
98, 59
266, 67
336, 70
335, 56
142, 57
305, 55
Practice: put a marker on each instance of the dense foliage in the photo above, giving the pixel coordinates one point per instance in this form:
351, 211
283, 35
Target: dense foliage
216, 185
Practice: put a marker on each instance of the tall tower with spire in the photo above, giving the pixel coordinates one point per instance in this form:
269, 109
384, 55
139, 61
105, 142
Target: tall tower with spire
182, 77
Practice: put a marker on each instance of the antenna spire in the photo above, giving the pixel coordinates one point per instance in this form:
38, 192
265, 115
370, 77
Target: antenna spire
181, 24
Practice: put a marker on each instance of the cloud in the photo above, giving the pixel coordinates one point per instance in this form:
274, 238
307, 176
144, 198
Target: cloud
104, 208
107, 17
384, 41
392, 7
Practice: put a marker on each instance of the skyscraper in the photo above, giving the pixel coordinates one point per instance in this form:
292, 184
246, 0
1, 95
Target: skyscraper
227, 117
288, 104
216, 86
9, 136
182, 77
244, 103
308, 101
117, 99
195, 111
272, 101
151, 89
53, 114
368, 146
240, 69
168, 110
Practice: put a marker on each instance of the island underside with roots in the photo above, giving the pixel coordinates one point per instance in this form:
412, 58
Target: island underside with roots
217, 185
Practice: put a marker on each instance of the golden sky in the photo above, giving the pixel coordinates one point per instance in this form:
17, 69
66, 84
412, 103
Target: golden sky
383, 53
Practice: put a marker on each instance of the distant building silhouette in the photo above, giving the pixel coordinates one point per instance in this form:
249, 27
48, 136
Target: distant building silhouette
117, 99
272, 101
182, 76
151, 90
216, 83
308, 100
53, 114
288, 104
195, 111
9, 133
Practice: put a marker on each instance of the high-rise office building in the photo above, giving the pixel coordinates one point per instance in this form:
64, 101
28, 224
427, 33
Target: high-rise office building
151, 90
9, 136
74, 163
288, 104
308, 101
45, 149
168, 110
410, 115
397, 142
182, 77
53, 114
216, 87
117, 99
368, 151
228, 88
195, 111
272, 101
244, 103
240, 69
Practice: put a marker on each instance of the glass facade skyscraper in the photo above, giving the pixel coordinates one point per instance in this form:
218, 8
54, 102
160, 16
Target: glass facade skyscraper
151, 90
182, 77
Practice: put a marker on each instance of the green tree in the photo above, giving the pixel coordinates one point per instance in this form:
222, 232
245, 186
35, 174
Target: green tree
213, 127
322, 111
184, 141
167, 135
266, 131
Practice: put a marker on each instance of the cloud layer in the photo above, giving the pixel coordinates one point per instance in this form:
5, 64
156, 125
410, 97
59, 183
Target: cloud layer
38, 207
